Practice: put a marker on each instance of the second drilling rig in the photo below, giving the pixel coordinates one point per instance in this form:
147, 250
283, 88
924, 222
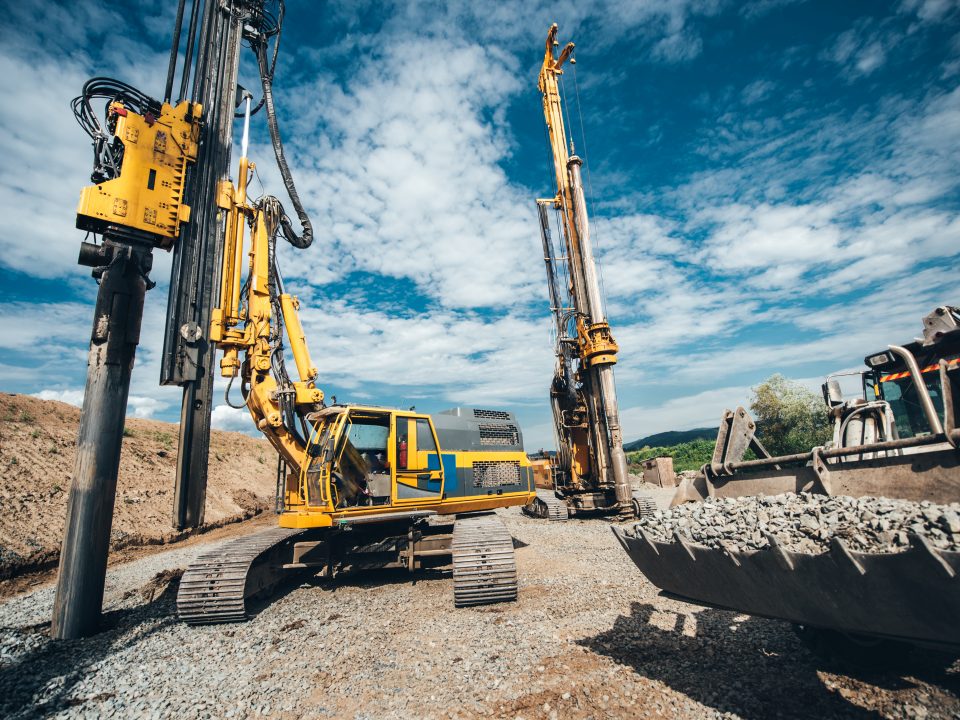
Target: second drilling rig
590, 468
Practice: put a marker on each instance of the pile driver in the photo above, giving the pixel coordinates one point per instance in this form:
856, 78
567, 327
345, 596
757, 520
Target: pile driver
357, 485
590, 468
360, 485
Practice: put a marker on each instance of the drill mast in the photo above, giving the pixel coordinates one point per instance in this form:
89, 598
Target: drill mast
591, 462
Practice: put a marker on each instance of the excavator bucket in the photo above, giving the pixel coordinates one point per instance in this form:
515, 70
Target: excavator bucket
913, 596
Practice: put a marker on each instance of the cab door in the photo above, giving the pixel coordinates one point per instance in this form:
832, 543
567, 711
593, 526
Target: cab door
418, 471
317, 470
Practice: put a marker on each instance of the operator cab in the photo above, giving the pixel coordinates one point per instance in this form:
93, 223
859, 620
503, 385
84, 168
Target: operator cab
366, 457
903, 393
891, 381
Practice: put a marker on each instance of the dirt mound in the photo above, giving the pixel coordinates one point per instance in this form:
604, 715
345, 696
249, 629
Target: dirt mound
37, 453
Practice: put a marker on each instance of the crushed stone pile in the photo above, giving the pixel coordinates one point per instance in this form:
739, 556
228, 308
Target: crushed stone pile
807, 523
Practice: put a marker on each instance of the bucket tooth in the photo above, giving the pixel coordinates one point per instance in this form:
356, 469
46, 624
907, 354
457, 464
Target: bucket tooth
920, 544
682, 541
646, 538
782, 556
839, 549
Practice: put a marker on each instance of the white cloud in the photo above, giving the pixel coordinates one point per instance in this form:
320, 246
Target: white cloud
757, 90
144, 407
862, 49
403, 174
38, 328
758, 8
439, 354
71, 397
929, 10
808, 221
680, 46
137, 406
225, 417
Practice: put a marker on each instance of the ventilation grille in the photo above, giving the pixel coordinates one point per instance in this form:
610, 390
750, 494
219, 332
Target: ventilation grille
491, 414
499, 435
488, 474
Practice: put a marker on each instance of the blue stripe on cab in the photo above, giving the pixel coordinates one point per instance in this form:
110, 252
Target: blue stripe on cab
452, 484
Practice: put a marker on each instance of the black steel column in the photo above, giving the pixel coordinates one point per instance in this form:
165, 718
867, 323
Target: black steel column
113, 345
187, 356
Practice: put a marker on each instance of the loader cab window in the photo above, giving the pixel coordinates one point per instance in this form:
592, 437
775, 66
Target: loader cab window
419, 472
904, 400
415, 444
319, 452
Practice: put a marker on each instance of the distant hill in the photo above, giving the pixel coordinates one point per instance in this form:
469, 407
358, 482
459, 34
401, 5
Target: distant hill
672, 437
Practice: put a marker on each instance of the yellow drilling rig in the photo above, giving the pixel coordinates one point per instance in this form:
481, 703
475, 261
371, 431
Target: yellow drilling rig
368, 486
358, 486
590, 468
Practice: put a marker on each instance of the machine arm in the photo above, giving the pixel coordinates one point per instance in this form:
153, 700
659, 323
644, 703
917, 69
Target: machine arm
252, 318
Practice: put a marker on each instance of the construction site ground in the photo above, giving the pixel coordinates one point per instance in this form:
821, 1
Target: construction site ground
589, 637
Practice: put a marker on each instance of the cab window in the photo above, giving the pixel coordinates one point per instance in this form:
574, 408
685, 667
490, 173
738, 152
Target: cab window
415, 444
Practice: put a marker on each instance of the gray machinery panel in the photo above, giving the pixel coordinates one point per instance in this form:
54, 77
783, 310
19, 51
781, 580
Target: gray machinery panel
478, 429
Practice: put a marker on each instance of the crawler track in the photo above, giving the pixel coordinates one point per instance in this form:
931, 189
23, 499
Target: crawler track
215, 588
484, 567
548, 506
643, 505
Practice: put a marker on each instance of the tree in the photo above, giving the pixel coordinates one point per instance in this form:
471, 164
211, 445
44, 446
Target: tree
690, 455
790, 418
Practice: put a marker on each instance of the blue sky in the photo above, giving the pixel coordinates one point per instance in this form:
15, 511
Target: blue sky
774, 187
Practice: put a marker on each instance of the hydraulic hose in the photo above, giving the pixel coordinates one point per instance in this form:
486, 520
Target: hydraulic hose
266, 77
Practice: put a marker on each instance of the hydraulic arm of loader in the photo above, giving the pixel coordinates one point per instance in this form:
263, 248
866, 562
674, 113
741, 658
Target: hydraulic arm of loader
251, 316
587, 419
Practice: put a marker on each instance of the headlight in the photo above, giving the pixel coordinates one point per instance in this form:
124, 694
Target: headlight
879, 359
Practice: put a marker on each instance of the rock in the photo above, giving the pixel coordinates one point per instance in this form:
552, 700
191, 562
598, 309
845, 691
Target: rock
950, 521
808, 522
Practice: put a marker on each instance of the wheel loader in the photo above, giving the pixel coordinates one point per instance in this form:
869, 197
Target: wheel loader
897, 439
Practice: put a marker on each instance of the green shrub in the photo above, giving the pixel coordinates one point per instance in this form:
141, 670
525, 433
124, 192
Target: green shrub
686, 456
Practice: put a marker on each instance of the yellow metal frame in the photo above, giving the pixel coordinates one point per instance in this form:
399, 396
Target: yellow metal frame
237, 328
595, 342
148, 194
597, 346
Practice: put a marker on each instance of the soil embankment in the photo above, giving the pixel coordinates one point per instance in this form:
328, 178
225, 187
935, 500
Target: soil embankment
37, 453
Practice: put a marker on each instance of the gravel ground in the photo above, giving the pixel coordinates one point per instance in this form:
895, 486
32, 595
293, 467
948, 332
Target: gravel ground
807, 522
588, 638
